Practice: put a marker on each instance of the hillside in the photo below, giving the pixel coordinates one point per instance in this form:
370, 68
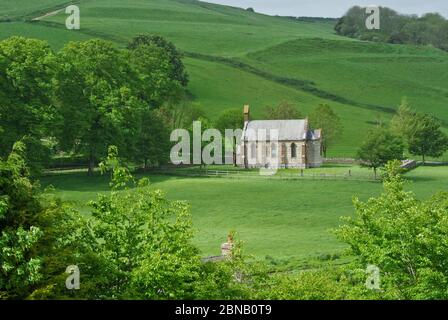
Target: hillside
236, 57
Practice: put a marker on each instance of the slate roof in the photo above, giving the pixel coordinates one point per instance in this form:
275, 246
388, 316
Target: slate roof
294, 130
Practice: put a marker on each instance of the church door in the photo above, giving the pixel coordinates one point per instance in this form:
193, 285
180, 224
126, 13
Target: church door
284, 154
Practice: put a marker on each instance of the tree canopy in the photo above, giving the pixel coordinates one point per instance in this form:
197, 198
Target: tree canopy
323, 117
429, 29
380, 147
88, 95
283, 111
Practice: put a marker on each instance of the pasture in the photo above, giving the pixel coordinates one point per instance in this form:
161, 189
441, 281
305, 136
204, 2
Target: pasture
283, 219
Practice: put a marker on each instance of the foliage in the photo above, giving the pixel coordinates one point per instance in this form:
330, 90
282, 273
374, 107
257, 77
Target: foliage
403, 122
181, 114
229, 119
427, 138
177, 69
87, 96
154, 67
404, 237
395, 28
380, 147
323, 117
26, 72
152, 144
283, 111
94, 88
422, 132
19, 210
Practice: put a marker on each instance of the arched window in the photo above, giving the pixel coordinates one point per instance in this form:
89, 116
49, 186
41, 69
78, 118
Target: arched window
273, 150
253, 151
293, 150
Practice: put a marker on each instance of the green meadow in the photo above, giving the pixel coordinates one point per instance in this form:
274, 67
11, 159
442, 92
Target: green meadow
279, 218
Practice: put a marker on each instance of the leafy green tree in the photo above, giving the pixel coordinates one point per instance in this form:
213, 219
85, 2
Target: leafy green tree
283, 111
95, 89
427, 138
177, 68
404, 237
396, 28
231, 119
26, 72
323, 117
152, 145
380, 147
19, 210
154, 66
404, 121
180, 114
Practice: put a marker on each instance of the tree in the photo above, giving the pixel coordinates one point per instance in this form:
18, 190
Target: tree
19, 210
152, 144
422, 132
404, 121
283, 111
396, 28
427, 138
231, 119
155, 65
95, 89
380, 147
26, 72
180, 114
404, 237
323, 117
177, 68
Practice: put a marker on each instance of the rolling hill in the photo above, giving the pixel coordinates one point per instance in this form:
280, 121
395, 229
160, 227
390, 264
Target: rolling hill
235, 57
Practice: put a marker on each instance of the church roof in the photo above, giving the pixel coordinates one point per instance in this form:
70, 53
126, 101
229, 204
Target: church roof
287, 130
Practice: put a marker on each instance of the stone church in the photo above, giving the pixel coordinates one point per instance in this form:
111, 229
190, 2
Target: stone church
293, 144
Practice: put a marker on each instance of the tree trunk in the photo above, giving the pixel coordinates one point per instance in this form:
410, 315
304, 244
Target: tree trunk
91, 165
374, 172
423, 159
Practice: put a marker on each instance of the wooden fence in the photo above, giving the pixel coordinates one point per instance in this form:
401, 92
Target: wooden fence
255, 174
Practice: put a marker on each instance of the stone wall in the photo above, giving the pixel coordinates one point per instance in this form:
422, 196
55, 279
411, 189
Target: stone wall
262, 154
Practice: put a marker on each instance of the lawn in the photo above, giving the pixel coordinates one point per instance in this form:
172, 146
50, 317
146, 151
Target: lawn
277, 218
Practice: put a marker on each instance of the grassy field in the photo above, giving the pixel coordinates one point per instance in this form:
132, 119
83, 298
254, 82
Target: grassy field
363, 82
278, 218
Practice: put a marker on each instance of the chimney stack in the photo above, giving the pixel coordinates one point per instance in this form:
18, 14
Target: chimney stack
227, 247
246, 113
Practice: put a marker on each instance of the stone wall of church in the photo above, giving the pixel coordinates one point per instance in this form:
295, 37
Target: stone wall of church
314, 156
263, 154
